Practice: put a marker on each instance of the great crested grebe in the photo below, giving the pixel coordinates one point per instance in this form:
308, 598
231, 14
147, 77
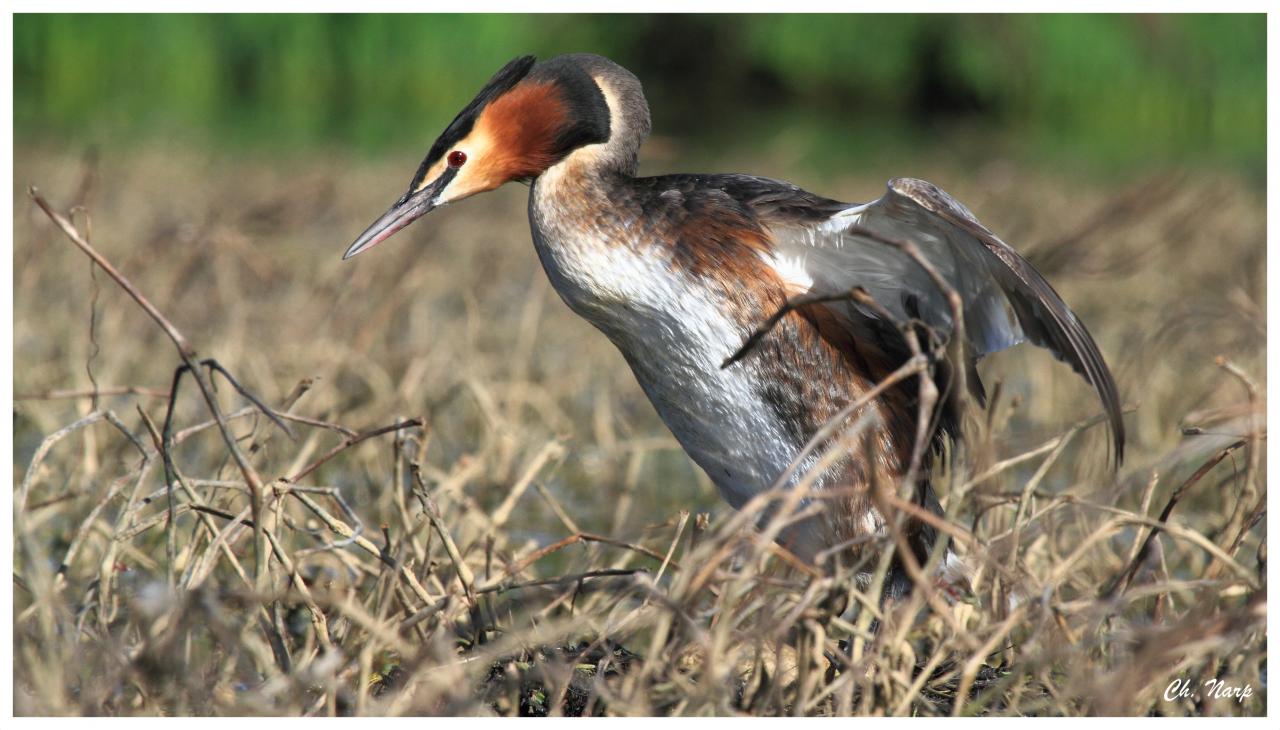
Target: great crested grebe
680, 270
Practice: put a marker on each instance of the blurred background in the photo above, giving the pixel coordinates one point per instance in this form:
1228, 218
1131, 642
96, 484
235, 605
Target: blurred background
1095, 92
225, 162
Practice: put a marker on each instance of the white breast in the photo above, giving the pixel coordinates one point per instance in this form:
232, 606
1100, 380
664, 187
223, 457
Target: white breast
674, 334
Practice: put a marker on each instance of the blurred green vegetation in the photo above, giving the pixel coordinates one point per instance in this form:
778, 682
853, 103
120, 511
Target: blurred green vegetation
1100, 91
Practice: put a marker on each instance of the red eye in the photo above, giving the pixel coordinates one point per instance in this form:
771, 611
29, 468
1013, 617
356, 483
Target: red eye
457, 158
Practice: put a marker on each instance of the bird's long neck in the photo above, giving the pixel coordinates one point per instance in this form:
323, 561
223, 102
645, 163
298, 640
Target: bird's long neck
583, 187
585, 227
583, 200
587, 187
584, 196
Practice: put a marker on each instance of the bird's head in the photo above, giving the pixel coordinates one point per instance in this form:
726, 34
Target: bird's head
529, 117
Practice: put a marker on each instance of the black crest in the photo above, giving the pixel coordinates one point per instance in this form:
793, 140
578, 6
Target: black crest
507, 77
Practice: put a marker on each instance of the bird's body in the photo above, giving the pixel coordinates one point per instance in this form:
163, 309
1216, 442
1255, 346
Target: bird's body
679, 271
606, 242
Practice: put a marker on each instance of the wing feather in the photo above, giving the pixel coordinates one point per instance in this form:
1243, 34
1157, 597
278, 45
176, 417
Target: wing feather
1005, 299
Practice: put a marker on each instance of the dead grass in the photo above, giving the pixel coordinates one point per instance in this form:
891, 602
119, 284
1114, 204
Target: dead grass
479, 512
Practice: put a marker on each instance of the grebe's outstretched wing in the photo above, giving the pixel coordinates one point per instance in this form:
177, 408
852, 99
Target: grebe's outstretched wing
1005, 299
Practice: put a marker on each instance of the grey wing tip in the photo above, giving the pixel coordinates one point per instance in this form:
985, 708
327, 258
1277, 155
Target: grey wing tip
1116, 416
1095, 370
1115, 419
